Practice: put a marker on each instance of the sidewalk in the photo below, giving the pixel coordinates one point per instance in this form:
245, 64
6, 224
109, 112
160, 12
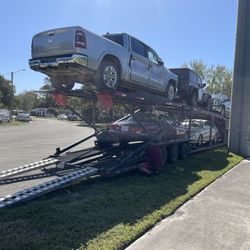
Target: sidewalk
217, 218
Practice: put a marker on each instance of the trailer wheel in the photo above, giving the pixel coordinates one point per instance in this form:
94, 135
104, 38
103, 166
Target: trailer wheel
223, 111
173, 153
164, 156
184, 150
108, 77
215, 140
200, 141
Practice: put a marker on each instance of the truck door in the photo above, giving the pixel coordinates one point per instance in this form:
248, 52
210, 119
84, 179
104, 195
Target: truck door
139, 63
156, 76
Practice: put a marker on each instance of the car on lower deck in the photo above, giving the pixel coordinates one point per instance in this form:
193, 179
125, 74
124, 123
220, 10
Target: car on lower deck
200, 131
141, 127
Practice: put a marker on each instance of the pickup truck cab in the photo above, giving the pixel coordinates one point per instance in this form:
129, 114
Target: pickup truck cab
191, 88
73, 54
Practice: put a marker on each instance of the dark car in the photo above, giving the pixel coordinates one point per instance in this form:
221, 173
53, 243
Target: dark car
73, 118
221, 104
191, 87
128, 129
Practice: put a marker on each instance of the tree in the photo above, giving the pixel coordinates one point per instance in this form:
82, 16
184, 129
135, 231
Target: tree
26, 101
218, 78
6, 92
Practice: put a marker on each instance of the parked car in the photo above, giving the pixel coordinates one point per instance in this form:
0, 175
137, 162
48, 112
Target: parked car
62, 117
128, 129
23, 117
73, 117
191, 88
4, 118
74, 54
221, 104
200, 131
4, 115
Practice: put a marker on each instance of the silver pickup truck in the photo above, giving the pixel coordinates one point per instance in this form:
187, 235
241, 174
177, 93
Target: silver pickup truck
73, 54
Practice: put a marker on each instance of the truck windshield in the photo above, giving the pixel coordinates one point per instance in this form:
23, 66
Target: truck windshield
115, 38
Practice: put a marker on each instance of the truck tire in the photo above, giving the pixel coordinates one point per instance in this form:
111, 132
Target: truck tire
59, 83
108, 77
194, 99
173, 153
170, 91
184, 150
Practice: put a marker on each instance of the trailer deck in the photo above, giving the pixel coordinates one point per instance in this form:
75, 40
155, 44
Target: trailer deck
69, 167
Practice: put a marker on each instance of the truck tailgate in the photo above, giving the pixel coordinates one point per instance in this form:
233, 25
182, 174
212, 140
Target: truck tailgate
54, 42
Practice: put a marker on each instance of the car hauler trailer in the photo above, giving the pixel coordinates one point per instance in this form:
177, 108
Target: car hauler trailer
73, 166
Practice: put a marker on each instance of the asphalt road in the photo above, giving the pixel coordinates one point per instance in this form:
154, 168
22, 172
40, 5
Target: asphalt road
20, 145
38, 139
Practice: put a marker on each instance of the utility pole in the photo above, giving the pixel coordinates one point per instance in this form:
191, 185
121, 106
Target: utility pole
12, 90
12, 94
239, 139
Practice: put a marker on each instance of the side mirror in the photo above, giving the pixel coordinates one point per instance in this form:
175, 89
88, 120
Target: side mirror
160, 61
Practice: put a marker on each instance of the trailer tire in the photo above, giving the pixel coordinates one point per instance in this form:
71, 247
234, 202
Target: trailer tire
200, 141
173, 153
184, 150
108, 76
215, 140
223, 111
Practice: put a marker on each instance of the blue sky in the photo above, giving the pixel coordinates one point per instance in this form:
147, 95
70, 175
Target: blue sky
179, 30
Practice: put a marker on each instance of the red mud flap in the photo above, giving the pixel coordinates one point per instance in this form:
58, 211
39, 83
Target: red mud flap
105, 100
153, 160
59, 99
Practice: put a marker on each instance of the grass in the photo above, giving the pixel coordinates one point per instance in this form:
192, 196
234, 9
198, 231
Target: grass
110, 213
12, 123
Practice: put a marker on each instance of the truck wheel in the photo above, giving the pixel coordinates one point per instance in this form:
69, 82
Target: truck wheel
184, 150
108, 77
173, 153
194, 99
170, 91
61, 84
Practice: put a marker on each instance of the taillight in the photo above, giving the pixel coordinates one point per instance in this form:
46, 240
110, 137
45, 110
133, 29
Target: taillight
136, 130
80, 40
115, 127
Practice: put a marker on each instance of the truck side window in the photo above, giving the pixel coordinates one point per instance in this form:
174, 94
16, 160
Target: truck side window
193, 77
115, 38
138, 47
152, 56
